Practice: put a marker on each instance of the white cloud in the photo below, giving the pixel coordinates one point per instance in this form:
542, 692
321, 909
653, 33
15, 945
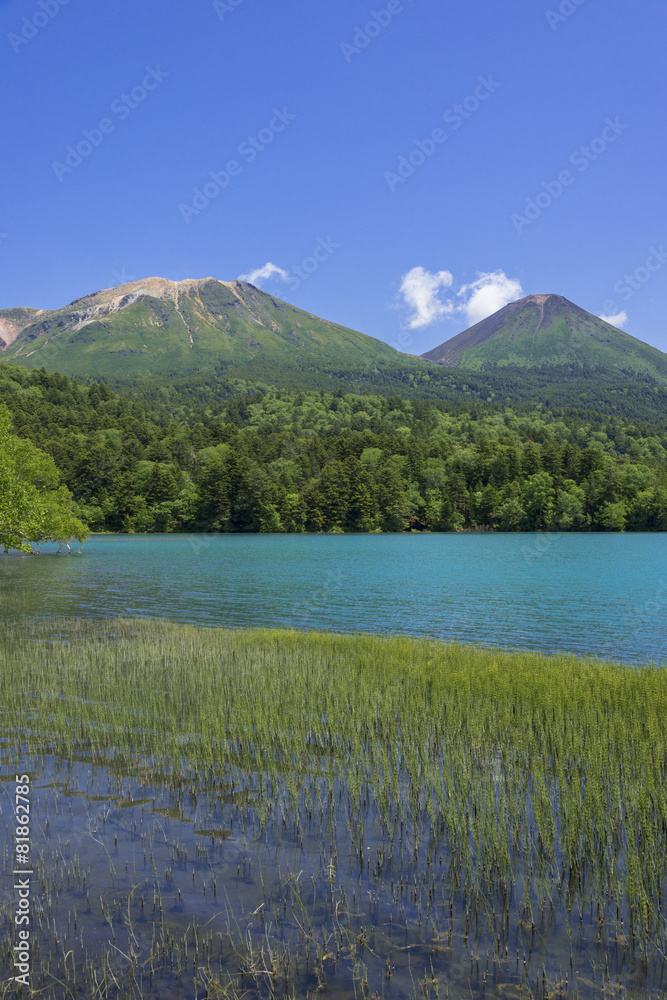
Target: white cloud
419, 289
619, 320
489, 293
260, 274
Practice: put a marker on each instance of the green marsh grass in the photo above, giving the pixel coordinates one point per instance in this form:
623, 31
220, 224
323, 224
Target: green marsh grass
367, 816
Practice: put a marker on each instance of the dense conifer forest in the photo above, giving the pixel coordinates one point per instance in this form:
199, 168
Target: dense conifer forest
269, 460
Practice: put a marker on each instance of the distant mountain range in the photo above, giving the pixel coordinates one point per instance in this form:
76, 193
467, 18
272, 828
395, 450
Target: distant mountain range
193, 338
548, 330
156, 326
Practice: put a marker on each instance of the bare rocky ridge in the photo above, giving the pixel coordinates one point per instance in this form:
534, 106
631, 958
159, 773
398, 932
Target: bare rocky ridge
156, 325
111, 300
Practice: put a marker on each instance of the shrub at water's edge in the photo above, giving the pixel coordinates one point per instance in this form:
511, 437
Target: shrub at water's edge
34, 507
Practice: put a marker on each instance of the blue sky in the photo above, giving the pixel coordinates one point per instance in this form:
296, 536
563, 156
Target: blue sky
406, 166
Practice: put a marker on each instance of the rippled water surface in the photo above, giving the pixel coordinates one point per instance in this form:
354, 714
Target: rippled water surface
597, 594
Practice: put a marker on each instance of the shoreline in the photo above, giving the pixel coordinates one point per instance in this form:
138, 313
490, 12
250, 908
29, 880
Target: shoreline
414, 643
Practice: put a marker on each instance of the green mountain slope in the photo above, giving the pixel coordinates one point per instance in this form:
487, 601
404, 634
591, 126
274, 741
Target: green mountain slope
549, 330
204, 339
159, 327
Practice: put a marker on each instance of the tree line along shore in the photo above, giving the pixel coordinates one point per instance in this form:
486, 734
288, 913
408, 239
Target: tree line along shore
318, 461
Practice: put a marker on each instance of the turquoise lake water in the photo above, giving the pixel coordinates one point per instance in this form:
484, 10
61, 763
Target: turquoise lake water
599, 594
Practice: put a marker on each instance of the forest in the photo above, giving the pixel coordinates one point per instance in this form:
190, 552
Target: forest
265, 460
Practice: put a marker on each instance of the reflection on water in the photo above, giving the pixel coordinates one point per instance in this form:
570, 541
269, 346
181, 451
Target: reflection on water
155, 882
316, 868
598, 594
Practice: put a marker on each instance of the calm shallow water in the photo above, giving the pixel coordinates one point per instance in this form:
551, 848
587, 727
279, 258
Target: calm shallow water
157, 882
598, 594
151, 877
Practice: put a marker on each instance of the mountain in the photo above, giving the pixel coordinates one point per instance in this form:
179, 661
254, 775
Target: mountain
161, 327
200, 340
549, 330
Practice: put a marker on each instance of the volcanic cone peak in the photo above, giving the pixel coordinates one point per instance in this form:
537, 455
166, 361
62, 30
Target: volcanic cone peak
548, 329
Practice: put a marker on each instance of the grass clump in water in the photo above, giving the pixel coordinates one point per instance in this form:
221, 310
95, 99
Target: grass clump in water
480, 802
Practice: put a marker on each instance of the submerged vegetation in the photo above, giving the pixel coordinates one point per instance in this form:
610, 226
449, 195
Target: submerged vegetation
275, 814
265, 460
